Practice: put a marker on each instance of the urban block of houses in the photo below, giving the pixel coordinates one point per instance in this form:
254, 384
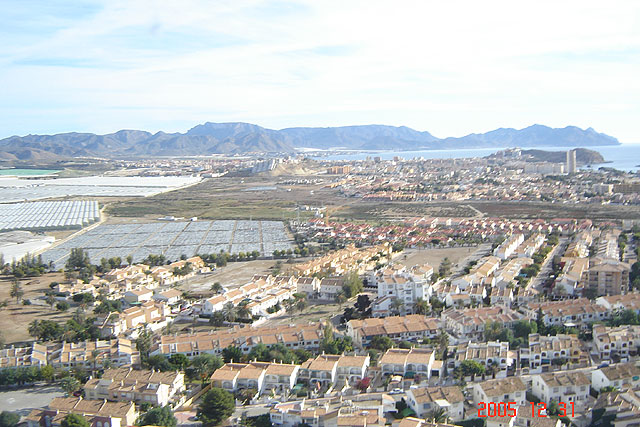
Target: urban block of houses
128, 385
264, 377
407, 285
87, 354
344, 260
617, 303
468, 324
408, 362
306, 336
152, 314
616, 343
510, 389
573, 312
401, 328
99, 413
336, 369
17, 357
621, 406
618, 376
492, 353
566, 387
509, 246
363, 410
424, 400
552, 353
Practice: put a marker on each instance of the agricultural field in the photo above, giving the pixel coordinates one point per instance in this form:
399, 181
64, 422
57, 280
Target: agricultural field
45, 216
174, 239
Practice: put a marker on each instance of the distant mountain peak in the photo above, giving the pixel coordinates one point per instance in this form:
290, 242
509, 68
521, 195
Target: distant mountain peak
239, 137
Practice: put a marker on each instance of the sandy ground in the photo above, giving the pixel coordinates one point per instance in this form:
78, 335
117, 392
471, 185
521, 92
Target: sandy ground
234, 274
434, 257
15, 318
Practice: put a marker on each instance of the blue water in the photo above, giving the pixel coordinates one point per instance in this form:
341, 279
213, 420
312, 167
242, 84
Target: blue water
623, 157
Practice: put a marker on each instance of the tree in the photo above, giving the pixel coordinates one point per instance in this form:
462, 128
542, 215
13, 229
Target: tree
231, 354
217, 288
179, 360
421, 306
229, 311
437, 416
381, 342
16, 291
159, 362
158, 417
471, 368
352, 285
47, 373
522, 329
129, 259
45, 330
341, 298
144, 342
74, 420
69, 385
9, 419
62, 306
396, 305
445, 267
203, 365
217, 405
50, 299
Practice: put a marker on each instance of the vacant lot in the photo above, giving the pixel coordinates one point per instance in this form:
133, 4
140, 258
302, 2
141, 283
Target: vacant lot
15, 318
24, 400
234, 274
434, 257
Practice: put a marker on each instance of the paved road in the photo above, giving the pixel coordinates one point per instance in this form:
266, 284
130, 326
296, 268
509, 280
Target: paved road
24, 400
547, 266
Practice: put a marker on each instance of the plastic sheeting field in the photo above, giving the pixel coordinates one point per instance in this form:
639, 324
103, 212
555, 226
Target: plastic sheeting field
173, 239
41, 216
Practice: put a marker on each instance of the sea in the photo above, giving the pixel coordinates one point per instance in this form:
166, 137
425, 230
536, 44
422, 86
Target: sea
624, 157
27, 172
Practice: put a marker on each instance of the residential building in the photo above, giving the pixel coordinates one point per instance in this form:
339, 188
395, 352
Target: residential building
609, 277
469, 323
126, 384
574, 312
99, 413
169, 297
510, 389
554, 352
408, 362
619, 375
424, 400
152, 314
88, 354
509, 246
566, 387
400, 328
616, 343
17, 357
492, 353
138, 295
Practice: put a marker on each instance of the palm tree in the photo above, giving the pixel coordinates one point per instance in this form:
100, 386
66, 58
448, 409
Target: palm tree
216, 287
243, 312
341, 298
396, 305
229, 311
50, 299
421, 306
438, 416
16, 291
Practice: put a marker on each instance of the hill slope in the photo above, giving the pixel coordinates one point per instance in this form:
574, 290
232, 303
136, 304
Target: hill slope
238, 138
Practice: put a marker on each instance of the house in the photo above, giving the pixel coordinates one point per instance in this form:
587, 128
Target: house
620, 406
400, 328
492, 353
468, 324
574, 312
566, 387
135, 296
550, 353
16, 357
423, 400
309, 286
509, 246
329, 288
407, 362
616, 343
152, 314
126, 384
301, 336
617, 376
169, 297
510, 389
99, 413
408, 286
501, 296
321, 370
352, 369
87, 354
618, 303
361, 410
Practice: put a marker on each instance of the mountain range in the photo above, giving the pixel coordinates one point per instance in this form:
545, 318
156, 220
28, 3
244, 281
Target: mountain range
242, 138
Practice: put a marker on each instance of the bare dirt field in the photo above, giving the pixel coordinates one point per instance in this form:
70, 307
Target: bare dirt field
434, 257
15, 318
234, 274
313, 313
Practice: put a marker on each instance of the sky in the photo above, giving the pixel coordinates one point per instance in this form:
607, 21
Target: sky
448, 67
